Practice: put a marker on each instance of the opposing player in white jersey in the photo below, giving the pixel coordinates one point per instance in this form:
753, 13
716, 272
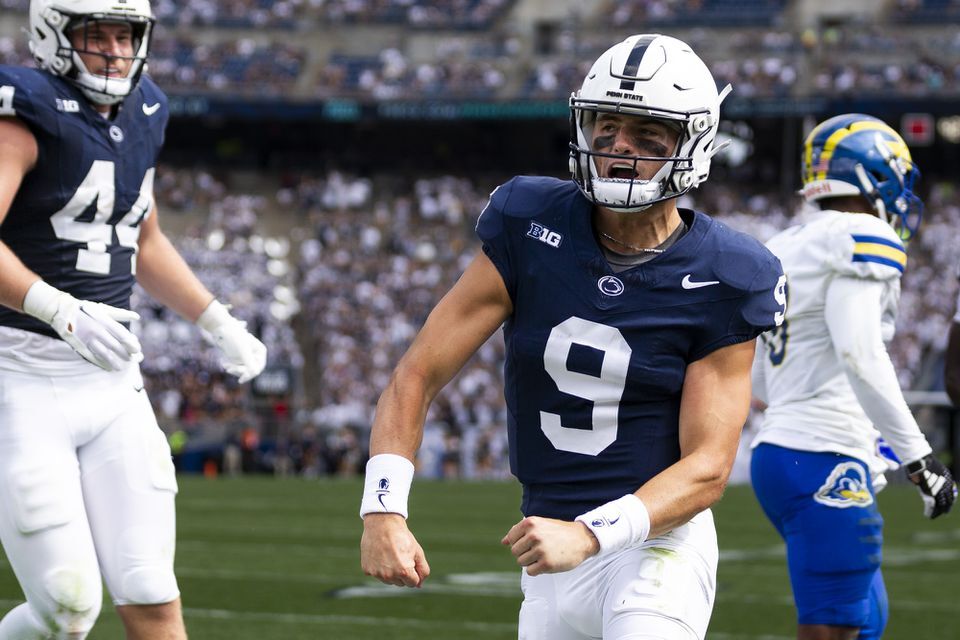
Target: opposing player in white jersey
86, 481
831, 389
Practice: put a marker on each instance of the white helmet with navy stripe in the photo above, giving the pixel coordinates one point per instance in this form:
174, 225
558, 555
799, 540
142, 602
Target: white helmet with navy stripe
50, 24
655, 76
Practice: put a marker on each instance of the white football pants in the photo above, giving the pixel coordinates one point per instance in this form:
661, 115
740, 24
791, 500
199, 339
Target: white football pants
87, 489
661, 590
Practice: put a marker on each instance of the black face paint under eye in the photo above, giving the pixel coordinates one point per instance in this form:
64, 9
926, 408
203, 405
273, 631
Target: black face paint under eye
602, 142
651, 148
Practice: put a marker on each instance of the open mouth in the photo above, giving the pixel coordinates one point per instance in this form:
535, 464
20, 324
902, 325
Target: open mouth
622, 171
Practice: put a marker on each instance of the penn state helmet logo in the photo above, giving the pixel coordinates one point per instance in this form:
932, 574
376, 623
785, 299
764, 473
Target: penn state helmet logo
610, 285
845, 487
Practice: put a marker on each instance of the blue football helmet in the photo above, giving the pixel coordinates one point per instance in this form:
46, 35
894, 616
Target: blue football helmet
856, 154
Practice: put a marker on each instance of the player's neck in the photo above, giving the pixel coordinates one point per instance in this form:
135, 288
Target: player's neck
636, 232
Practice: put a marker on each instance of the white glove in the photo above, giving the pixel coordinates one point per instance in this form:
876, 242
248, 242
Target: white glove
243, 355
92, 329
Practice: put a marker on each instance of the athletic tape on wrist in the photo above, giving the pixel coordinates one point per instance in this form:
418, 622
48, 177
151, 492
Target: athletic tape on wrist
387, 485
618, 524
215, 315
42, 301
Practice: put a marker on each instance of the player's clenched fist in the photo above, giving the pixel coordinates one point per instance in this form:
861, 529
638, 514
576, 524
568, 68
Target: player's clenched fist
390, 553
545, 545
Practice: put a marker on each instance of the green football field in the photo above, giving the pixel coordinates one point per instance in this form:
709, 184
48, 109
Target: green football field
261, 558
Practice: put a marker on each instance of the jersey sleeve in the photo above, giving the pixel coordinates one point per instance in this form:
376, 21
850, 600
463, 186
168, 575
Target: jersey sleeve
491, 231
867, 247
17, 97
759, 304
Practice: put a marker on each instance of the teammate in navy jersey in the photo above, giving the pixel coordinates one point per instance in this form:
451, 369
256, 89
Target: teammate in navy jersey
87, 482
629, 326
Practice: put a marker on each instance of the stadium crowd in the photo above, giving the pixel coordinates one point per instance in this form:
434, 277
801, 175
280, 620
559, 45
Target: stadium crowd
338, 299
769, 57
371, 258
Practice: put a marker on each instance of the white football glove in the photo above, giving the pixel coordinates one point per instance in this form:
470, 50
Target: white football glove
243, 355
92, 329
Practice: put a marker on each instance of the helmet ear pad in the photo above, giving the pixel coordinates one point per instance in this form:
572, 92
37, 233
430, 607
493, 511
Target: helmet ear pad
51, 46
657, 77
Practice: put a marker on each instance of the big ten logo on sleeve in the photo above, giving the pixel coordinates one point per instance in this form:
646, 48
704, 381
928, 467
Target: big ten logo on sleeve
6, 101
541, 233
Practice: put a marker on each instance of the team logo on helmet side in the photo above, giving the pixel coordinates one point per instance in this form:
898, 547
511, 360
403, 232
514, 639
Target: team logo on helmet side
845, 487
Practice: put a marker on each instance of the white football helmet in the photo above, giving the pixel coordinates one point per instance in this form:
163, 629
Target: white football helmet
52, 20
654, 76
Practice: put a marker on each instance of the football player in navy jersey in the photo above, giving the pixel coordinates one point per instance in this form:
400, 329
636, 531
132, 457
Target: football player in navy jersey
630, 328
87, 481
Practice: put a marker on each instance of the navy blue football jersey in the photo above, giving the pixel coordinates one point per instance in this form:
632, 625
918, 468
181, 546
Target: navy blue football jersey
596, 359
75, 220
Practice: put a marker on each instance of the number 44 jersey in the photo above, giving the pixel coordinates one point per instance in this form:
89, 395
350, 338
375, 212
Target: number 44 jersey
596, 359
75, 220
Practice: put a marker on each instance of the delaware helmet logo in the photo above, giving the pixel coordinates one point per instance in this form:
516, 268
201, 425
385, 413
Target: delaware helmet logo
610, 285
845, 487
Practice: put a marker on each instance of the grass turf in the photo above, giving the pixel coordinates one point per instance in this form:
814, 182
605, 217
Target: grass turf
263, 558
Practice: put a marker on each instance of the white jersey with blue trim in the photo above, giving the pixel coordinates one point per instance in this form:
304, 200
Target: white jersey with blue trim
811, 402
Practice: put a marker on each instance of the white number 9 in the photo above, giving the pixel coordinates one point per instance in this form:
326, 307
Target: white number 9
780, 295
604, 391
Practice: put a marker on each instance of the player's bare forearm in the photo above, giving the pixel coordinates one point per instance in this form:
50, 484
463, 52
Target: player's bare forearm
165, 275
16, 278
713, 409
401, 411
685, 489
18, 155
462, 321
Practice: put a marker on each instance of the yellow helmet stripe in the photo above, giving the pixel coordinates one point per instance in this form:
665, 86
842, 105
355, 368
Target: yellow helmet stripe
837, 136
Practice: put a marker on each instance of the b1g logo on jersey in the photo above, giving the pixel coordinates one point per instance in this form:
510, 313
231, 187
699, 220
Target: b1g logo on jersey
845, 487
6, 100
541, 233
68, 106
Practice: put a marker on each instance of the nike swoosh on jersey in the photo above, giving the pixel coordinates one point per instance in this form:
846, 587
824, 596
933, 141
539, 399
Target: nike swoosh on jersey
687, 283
152, 109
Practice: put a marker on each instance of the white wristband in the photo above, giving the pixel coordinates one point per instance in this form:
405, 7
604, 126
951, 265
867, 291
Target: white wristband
215, 315
618, 524
42, 301
387, 485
